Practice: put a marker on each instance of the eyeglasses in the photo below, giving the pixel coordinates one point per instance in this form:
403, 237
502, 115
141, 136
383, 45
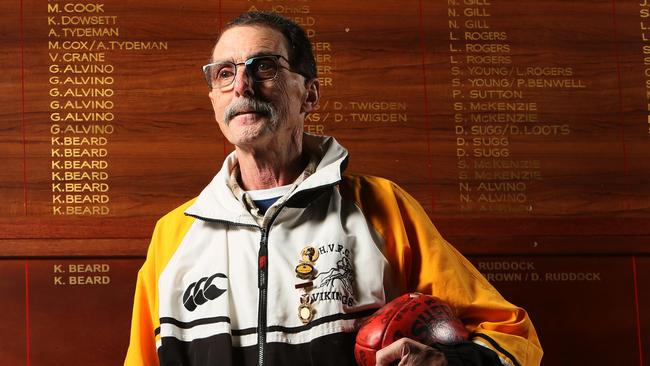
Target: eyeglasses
260, 68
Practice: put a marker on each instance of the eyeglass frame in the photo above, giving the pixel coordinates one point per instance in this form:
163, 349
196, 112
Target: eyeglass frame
248, 64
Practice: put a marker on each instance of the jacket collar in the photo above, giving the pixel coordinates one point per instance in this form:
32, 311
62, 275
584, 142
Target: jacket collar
218, 203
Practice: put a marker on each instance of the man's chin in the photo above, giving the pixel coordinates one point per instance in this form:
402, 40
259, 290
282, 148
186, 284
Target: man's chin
249, 134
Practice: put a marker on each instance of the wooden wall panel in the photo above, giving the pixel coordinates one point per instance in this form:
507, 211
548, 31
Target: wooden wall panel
523, 128
13, 321
79, 310
576, 303
480, 116
642, 267
424, 93
11, 139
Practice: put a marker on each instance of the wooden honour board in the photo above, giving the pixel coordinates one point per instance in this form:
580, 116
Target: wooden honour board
523, 128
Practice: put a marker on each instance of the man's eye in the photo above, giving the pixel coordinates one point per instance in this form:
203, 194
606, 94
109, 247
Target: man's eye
265, 65
224, 73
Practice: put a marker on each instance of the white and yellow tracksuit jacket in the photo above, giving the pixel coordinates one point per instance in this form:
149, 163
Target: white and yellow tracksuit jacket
218, 289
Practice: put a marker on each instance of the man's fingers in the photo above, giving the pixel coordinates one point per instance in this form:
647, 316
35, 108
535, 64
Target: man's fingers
391, 353
409, 353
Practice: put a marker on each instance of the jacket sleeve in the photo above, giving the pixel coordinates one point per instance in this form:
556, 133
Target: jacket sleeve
145, 322
428, 264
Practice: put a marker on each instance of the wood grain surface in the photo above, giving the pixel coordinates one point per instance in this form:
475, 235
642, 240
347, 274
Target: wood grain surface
522, 127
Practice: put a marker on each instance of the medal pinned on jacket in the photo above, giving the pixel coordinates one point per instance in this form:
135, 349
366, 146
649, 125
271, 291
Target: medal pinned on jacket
305, 270
305, 310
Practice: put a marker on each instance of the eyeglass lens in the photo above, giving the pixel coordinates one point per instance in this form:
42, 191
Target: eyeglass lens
260, 68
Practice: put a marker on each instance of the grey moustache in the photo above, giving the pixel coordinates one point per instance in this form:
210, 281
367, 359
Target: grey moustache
248, 105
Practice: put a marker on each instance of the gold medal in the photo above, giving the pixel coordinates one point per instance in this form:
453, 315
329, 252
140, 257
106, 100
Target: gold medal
305, 271
305, 313
305, 310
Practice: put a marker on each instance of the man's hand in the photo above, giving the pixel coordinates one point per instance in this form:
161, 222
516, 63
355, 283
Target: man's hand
409, 353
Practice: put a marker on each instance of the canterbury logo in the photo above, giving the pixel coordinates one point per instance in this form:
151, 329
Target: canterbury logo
200, 292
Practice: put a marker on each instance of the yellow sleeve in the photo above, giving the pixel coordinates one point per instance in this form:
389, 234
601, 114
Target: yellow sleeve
145, 321
427, 263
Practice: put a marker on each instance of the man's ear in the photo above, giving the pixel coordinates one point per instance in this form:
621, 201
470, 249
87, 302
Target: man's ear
313, 96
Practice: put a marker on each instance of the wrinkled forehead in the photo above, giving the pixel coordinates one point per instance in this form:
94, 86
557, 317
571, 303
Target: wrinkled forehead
239, 43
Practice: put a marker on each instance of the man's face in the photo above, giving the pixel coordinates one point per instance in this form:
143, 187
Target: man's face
286, 97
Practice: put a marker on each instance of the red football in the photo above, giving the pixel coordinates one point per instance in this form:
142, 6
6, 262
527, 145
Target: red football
424, 318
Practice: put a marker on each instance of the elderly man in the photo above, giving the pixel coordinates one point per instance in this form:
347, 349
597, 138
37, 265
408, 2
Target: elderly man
281, 257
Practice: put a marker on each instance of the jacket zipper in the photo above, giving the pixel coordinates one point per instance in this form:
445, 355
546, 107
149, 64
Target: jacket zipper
262, 282
262, 277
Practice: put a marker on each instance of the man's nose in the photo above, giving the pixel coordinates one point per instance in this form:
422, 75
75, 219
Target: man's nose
243, 83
